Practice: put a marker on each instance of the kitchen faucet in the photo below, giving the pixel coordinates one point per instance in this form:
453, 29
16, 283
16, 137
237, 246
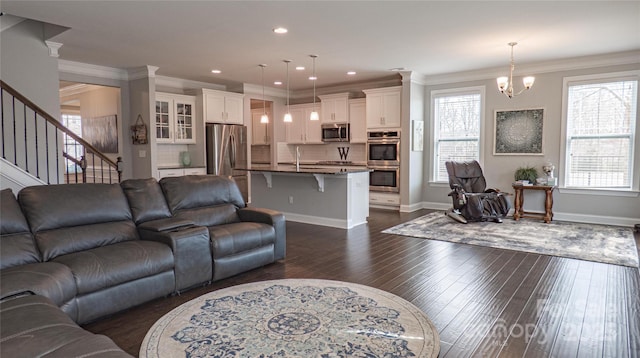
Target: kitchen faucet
297, 158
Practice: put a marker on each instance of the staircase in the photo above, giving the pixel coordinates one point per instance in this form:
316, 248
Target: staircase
43, 149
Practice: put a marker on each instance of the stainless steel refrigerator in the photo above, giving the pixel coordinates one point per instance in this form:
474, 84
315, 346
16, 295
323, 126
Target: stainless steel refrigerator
226, 150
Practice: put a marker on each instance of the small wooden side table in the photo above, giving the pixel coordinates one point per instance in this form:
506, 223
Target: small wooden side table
519, 202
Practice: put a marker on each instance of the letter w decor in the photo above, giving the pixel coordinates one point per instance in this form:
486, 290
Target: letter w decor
344, 152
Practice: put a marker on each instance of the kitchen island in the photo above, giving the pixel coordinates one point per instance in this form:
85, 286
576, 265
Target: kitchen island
336, 196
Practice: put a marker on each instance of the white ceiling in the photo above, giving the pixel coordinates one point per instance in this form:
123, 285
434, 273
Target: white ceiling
187, 39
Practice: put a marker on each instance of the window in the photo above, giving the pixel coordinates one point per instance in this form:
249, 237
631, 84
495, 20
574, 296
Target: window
600, 125
456, 127
71, 146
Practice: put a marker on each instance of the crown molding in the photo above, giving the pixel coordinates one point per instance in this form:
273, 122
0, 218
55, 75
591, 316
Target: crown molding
146, 71
413, 77
250, 88
568, 64
180, 83
7, 21
77, 89
354, 88
53, 48
85, 69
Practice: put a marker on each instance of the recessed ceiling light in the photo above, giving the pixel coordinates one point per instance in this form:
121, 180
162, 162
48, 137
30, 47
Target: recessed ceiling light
397, 69
351, 73
299, 68
313, 78
216, 71
278, 83
280, 30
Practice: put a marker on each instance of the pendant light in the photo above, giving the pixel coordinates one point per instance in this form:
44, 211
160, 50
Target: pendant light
264, 119
287, 116
505, 84
314, 114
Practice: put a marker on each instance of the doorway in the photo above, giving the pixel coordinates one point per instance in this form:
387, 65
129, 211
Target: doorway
93, 113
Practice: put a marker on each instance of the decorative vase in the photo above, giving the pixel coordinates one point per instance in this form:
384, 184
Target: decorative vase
185, 159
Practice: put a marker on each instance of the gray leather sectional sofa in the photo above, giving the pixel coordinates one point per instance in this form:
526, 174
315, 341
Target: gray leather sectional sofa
72, 253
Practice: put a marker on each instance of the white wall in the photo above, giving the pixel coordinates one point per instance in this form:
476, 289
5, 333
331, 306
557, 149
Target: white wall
546, 93
26, 66
142, 156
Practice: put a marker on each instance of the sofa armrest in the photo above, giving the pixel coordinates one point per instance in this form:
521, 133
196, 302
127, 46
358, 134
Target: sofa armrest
191, 253
165, 224
269, 217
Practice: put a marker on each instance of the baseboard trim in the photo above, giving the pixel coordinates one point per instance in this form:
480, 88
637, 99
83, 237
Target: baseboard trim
15, 178
436, 206
410, 208
323, 221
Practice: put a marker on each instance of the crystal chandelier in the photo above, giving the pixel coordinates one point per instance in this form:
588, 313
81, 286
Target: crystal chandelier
505, 84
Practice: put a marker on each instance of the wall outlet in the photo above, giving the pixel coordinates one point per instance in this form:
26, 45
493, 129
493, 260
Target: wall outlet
291, 200
142, 153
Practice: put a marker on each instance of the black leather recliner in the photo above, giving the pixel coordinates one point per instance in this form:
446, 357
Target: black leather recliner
472, 201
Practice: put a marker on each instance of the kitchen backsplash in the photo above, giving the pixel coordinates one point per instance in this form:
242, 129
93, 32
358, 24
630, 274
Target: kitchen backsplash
328, 151
169, 154
260, 154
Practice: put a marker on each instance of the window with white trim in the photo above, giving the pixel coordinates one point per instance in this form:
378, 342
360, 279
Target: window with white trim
600, 127
71, 147
457, 120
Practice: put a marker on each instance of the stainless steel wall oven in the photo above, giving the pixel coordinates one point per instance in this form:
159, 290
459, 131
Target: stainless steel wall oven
383, 148
383, 157
386, 179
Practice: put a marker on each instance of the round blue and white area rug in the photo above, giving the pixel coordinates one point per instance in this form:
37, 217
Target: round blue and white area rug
294, 318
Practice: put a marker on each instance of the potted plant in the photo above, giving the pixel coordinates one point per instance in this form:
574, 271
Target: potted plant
526, 173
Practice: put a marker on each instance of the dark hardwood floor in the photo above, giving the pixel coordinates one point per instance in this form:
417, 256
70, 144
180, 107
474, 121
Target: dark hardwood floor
484, 302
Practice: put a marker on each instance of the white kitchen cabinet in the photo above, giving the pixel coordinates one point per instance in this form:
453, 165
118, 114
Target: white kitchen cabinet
383, 107
259, 131
357, 119
312, 128
222, 107
295, 130
302, 130
384, 200
177, 172
334, 108
175, 118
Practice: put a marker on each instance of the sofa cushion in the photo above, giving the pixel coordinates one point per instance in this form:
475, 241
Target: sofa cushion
32, 326
16, 242
13, 220
49, 279
54, 243
48, 207
190, 192
111, 265
210, 216
145, 199
231, 239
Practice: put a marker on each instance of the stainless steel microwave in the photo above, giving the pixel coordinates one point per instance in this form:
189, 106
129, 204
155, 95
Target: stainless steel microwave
336, 132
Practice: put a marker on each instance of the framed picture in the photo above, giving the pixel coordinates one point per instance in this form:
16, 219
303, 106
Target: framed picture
418, 136
102, 133
518, 132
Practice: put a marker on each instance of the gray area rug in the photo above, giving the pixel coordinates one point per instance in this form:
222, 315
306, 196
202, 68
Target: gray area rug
599, 243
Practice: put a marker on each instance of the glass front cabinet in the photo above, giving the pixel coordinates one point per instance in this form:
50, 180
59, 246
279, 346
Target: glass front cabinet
175, 118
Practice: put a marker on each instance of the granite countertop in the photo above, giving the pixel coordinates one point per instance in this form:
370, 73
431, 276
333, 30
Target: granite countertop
305, 169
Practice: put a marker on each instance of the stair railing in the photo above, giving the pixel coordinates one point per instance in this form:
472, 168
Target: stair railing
31, 140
